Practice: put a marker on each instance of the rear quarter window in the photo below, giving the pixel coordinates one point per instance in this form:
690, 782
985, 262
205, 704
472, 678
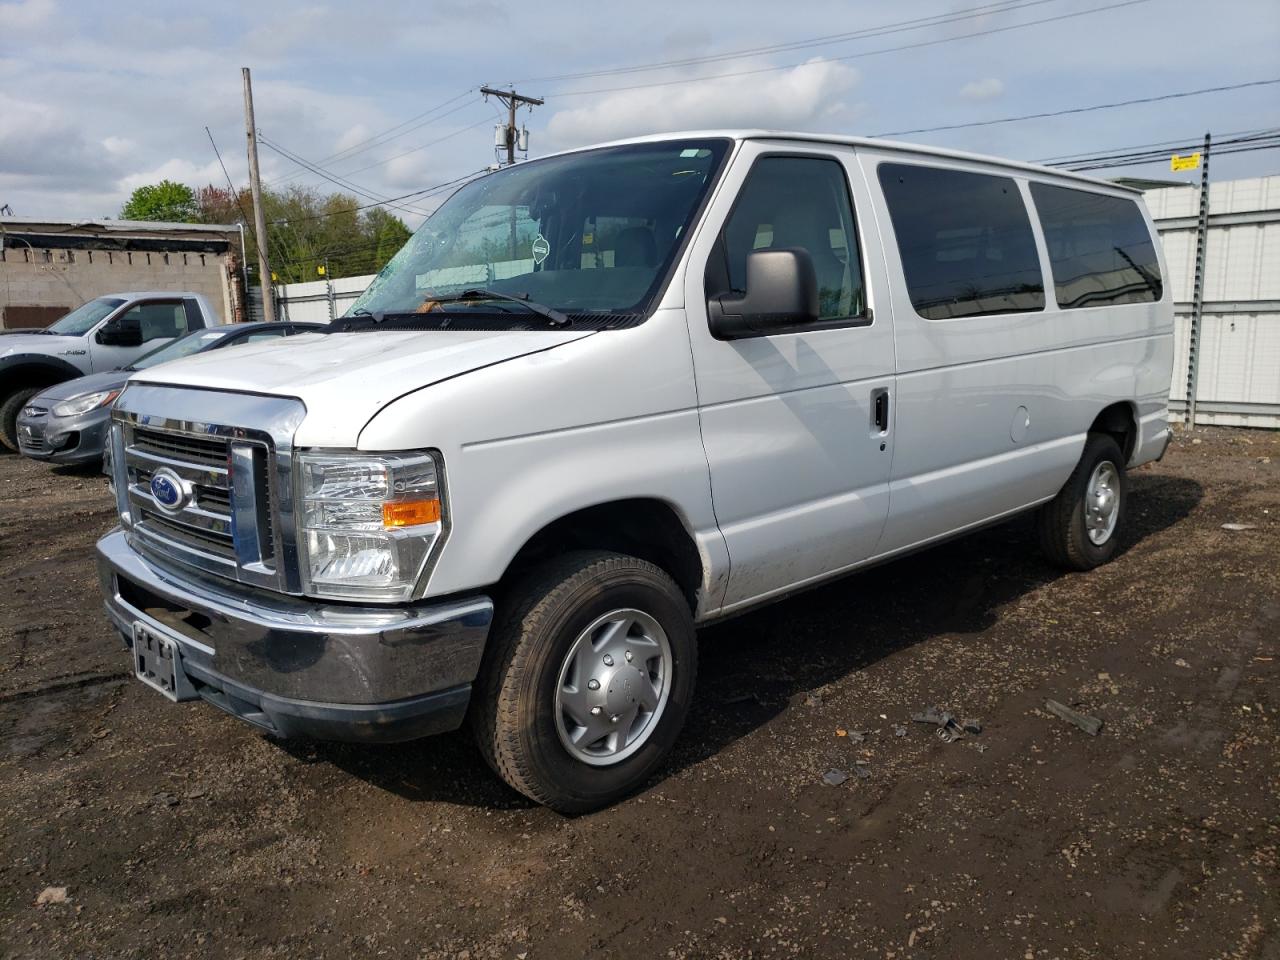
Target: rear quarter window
965, 241
1100, 250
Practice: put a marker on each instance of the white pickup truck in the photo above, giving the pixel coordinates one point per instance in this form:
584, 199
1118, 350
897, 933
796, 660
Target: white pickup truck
605, 397
106, 333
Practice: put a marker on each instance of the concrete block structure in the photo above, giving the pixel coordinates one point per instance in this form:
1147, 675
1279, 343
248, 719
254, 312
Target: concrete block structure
49, 267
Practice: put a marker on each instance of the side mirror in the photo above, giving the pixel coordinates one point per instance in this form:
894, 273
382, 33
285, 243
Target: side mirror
121, 332
782, 292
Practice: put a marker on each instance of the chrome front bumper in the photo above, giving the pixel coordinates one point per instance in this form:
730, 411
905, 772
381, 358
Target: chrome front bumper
298, 667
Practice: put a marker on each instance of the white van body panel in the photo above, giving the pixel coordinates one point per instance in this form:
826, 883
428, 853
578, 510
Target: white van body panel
605, 418
799, 474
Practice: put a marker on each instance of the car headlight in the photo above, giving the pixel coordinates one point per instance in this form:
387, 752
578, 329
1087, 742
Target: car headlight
83, 404
367, 523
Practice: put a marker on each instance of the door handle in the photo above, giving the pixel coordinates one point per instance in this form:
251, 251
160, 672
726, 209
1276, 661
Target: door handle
880, 410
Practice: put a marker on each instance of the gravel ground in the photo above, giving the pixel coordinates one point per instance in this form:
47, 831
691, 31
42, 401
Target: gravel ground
176, 831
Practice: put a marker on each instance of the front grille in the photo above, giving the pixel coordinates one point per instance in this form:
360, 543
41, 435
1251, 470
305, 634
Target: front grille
211, 451
209, 527
228, 458
31, 439
206, 540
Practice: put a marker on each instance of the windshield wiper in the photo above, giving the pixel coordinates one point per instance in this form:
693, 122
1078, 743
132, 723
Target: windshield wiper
550, 313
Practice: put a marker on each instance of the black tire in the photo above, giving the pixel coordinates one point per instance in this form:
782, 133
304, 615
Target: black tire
513, 706
1064, 536
10, 406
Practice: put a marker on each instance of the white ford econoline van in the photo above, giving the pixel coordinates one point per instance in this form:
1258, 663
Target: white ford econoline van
607, 396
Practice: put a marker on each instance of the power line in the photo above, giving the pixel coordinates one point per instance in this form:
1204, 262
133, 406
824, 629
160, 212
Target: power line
854, 56
1160, 158
1161, 152
919, 23
425, 192
387, 135
422, 146
338, 181
1089, 154
1088, 109
353, 151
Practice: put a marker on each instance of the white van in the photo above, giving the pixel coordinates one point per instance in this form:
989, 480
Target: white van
605, 397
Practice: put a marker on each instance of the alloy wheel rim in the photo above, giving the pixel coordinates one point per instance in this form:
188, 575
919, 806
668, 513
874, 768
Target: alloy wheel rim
612, 687
1102, 503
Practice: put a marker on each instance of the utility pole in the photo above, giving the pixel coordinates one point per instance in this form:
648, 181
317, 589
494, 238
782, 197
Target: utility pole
1197, 289
255, 188
512, 100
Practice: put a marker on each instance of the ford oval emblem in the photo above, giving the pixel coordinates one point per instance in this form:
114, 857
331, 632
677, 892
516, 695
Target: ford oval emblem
169, 490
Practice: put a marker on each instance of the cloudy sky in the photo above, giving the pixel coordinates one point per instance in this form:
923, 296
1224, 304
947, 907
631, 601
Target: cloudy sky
98, 98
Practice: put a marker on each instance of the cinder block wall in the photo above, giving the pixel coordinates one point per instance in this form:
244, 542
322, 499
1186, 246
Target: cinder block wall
68, 278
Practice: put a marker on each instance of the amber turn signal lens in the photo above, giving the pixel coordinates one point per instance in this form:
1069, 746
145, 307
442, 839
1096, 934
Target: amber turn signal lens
410, 513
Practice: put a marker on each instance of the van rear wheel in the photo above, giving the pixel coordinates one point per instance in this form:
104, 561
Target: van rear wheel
587, 681
1079, 528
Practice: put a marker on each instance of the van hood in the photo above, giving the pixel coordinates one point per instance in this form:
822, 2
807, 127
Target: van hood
346, 378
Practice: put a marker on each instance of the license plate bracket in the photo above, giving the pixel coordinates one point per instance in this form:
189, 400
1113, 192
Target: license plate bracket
157, 662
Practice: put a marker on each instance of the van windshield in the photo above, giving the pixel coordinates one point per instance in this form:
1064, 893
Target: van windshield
590, 234
84, 317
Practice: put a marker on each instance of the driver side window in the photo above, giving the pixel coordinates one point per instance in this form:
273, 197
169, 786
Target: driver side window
789, 203
156, 319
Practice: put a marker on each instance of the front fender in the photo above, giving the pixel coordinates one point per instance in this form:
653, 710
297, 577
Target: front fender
26, 368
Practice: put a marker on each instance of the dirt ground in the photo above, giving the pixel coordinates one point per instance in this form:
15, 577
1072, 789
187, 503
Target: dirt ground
177, 831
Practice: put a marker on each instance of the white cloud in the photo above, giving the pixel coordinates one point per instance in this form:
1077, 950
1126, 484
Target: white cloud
985, 89
119, 145
176, 169
804, 97
351, 136
25, 13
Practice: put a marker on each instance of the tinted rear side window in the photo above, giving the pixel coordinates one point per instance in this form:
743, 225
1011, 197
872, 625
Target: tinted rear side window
965, 240
1100, 249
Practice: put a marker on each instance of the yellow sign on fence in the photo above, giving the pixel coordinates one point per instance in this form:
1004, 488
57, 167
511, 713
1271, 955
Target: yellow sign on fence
1190, 162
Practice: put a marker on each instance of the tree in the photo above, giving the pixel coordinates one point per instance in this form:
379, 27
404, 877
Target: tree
390, 234
165, 200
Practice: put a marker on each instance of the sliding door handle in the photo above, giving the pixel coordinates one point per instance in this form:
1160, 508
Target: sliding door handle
880, 410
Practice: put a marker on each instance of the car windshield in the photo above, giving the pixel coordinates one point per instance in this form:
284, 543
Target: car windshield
84, 318
184, 347
586, 233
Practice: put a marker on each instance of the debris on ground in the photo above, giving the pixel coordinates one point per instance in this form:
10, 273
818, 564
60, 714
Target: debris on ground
1182, 663
1090, 725
1239, 526
51, 895
862, 769
950, 728
833, 778
899, 730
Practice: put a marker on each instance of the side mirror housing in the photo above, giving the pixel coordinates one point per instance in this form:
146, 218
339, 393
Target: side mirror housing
782, 292
121, 332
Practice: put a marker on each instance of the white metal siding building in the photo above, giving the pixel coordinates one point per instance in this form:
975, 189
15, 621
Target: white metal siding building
1238, 381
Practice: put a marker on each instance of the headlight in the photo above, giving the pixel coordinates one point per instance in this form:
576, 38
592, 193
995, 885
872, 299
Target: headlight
90, 401
367, 523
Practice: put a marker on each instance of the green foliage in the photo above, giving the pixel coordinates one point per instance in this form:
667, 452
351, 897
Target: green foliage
165, 200
305, 229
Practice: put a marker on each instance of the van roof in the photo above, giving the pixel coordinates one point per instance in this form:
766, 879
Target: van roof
897, 145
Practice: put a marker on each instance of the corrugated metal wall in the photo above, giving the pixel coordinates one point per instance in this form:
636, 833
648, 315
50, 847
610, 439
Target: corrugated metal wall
1239, 376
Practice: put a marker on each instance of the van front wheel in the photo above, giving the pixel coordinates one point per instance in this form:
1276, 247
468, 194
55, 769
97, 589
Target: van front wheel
1079, 528
588, 680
